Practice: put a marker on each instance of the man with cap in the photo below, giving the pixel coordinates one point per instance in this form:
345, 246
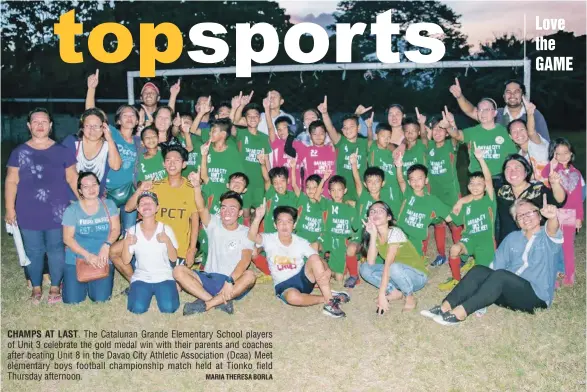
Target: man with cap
154, 246
150, 99
229, 254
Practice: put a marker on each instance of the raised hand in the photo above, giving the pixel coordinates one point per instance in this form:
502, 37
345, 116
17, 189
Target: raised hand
260, 211
206, 107
266, 104
360, 110
195, 178
554, 178
327, 174
399, 160
369, 227
177, 121
175, 88
236, 100
354, 158
292, 162
479, 152
548, 211
106, 131
245, 99
420, 117
93, 79
145, 186
162, 237
448, 116
369, 121
205, 148
455, 89
323, 107
530, 107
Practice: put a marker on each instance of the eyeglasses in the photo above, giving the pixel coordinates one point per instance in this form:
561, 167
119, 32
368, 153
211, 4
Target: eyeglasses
92, 127
486, 110
527, 215
377, 211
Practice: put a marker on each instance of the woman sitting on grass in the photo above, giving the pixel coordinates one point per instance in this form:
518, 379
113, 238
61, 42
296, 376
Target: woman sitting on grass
526, 266
90, 225
404, 271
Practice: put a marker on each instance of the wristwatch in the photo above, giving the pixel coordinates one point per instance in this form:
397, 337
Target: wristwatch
108, 243
230, 280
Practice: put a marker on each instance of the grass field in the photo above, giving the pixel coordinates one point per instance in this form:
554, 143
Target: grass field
502, 351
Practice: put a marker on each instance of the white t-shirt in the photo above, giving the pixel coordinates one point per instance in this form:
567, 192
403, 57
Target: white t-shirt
262, 127
152, 261
225, 247
285, 261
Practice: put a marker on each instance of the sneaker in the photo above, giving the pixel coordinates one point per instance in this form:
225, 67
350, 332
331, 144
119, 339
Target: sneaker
448, 285
438, 261
198, 306
351, 282
432, 312
341, 296
481, 312
467, 267
332, 309
227, 307
447, 318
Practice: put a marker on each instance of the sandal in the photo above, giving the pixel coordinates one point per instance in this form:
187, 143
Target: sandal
54, 298
36, 297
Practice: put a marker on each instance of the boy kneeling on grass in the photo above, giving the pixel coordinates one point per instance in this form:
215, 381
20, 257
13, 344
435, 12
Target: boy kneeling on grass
295, 267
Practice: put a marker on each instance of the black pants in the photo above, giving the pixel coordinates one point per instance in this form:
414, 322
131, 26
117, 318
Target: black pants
497, 183
483, 286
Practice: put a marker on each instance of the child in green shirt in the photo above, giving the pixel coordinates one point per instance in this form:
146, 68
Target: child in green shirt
419, 208
192, 143
415, 142
150, 164
478, 217
312, 210
338, 227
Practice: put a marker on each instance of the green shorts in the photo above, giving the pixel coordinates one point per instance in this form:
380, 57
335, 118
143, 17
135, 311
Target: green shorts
337, 248
482, 249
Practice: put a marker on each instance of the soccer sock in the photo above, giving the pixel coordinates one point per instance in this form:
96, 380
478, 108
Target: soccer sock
261, 262
456, 233
440, 238
455, 267
352, 265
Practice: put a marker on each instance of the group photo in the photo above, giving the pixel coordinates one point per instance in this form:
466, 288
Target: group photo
389, 227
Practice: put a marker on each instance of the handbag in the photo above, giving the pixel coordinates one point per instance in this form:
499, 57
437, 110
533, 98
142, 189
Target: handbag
121, 194
86, 272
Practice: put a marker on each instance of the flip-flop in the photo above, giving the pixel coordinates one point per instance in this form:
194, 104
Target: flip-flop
36, 298
54, 298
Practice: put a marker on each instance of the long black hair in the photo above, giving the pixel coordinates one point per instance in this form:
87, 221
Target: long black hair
366, 237
561, 141
523, 161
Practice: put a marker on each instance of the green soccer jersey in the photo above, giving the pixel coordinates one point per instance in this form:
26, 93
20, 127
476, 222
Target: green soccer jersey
339, 219
417, 213
194, 157
383, 159
496, 144
442, 172
205, 133
213, 193
222, 164
416, 154
250, 146
275, 200
365, 201
151, 169
311, 219
344, 149
478, 218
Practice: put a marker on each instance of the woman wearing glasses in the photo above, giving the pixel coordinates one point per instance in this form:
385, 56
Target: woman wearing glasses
94, 148
524, 272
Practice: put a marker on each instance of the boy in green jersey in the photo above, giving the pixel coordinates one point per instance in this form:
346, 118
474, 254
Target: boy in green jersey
419, 208
312, 210
345, 145
477, 216
150, 164
380, 156
415, 142
444, 183
338, 227
251, 143
275, 183
192, 143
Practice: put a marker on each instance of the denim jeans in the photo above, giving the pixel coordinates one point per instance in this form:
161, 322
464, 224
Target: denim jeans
75, 291
141, 293
36, 244
402, 277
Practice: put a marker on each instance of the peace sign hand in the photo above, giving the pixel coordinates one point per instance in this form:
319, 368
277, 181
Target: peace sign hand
369, 227
420, 117
548, 211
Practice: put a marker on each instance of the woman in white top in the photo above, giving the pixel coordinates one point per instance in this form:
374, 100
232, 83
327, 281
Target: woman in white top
155, 248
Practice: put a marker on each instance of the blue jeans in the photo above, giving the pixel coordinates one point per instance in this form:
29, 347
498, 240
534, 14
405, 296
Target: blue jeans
127, 220
75, 292
402, 277
140, 294
36, 244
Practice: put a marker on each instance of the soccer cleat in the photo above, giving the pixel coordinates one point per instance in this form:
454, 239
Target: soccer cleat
432, 312
198, 306
332, 309
447, 318
341, 296
467, 267
438, 261
448, 285
227, 307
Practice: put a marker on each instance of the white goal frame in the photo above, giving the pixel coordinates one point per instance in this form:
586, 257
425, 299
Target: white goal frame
525, 63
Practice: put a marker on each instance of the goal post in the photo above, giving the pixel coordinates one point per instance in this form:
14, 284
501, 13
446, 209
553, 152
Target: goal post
271, 69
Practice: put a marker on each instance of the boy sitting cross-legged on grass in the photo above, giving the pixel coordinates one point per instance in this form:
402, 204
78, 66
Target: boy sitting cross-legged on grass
295, 267
478, 217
